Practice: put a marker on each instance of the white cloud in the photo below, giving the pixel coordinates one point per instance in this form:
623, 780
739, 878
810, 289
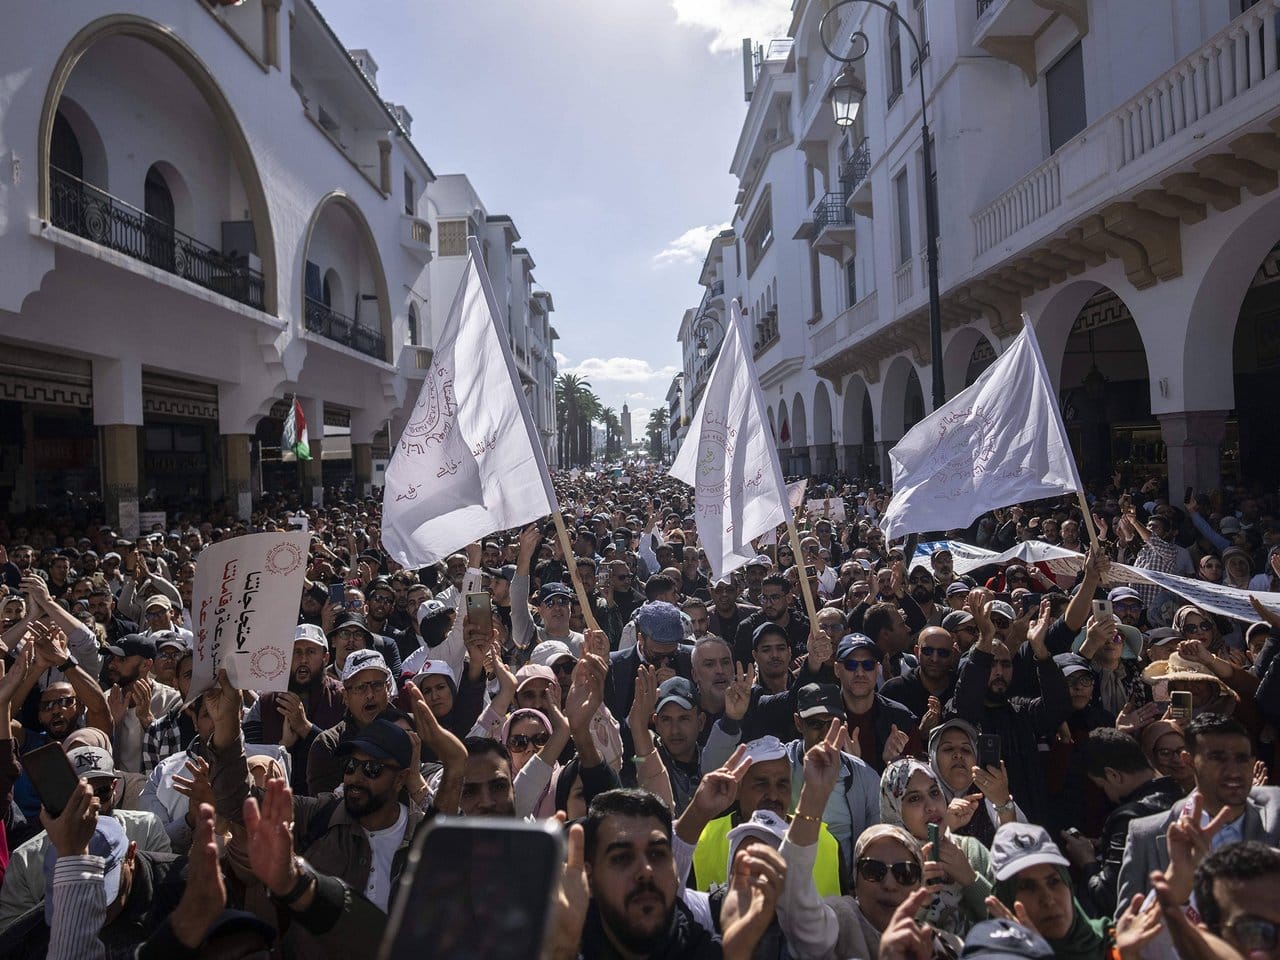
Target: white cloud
730, 21
691, 246
638, 396
561, 361
619, 369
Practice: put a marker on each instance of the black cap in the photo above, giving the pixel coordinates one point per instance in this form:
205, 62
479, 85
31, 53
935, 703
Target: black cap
851, 643
1000, 939
133, 644
382, 741
506, 572
766, 629
815, 699
351, 619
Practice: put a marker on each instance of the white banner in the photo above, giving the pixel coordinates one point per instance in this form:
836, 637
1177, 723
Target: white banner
795, 493
469, 461
244, 607
829, 508
1214, 597
730, 460
999, 442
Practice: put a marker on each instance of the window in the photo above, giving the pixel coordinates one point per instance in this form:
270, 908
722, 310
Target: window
895, 59
815, 281
413, 326
1064, 96
410, 194
902, 194
760, 233
922, 35
851, 281
453, 238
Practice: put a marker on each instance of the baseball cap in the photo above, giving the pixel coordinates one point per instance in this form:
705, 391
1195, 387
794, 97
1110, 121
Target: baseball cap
764, 825
381, 740
111, 555
676, 690
851, 643
759, 560
430, 609
506, 572
350, 619
939, 551
1071, 664
1003, 609
766, 629
133, 645
1003, 940
1229, 525
532, 671
1162, 635
1020, 845
764, 749
158, 600
359, 660
92, 763
1123, 593
816, 699
168, 638
957, 586
108, 842
310, 633
956, 619
436, 668
550, 651
550, 590
660, 622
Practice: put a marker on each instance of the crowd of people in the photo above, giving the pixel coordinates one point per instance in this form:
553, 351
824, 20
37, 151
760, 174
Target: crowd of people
844, 749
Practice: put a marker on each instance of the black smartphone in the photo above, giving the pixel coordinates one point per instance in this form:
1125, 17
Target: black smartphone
52, 775
989, 750
337, 594
1031, 601
459, 872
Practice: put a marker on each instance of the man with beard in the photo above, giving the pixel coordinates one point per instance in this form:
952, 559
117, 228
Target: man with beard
102, 604
693, 583
924, 591
753, 574
775, 607
935, 676
726, 612
982, 698
134, 697
380, 600
366, 683
622, 600
712, 669
771, 653
313, 703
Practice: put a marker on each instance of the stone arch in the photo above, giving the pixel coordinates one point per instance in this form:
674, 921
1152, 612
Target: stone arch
340, 200
958, 358
167, 41
857, 436
823, 435
93, 152
902, 395
799, 461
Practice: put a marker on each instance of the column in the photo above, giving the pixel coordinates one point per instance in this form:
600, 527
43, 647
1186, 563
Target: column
362, 468
312, 473
236, 458
1193, 439
886, 468
817, 459
117, 409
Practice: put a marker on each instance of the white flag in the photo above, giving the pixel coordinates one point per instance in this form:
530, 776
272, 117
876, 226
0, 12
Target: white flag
999, 442
729, 458
795, 493
469, 461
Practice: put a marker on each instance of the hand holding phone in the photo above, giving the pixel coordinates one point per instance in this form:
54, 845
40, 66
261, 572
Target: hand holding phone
1181, 706
52, 776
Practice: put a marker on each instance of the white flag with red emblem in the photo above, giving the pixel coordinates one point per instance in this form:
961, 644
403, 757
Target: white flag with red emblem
469, 461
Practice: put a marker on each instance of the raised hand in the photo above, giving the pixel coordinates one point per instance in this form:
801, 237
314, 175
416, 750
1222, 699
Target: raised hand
905, 938
1135, 927
952, 858
932, 716
71, 830
271, 838
961, 810
994, 783
895, 744
646, 698
820, 649
1017, 915
196, 786
586, 692
718, 789
737, 696
750, 903
822, 765
205, 894
11, 682
572, 899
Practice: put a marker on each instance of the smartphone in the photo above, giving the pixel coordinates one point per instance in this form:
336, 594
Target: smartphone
337, 594
458, 871
1187, 497
1179, 700
52, 775
1103, 608
989, 750
933, 839
480, 610
1031, 601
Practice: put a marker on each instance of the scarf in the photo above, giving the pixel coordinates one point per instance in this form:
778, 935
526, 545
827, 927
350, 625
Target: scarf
980, 827
686, 939
1086, 940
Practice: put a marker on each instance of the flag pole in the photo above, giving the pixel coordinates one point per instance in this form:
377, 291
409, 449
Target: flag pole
809, 605
1062, 429
567, 549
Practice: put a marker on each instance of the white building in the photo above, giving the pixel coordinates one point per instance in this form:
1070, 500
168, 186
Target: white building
1107, 168
204, 211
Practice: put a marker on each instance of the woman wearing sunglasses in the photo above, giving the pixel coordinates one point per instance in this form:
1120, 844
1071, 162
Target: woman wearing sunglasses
911, 796
535, 743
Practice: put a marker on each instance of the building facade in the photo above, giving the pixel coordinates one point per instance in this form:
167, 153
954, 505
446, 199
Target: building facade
1107, 170
206, 210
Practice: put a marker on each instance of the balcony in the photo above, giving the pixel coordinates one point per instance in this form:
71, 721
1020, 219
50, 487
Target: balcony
834, 232
854, 179
415, 361
717, 288
766, 333
82, 209
833, 346
1007, 29
332, 325
415, 236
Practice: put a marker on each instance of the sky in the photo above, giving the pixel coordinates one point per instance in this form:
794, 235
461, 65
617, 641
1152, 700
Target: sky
604, 128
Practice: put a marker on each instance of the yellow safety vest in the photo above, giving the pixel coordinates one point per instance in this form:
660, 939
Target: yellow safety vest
711, 858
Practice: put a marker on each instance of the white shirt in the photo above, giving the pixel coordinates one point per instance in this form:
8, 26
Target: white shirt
384, 844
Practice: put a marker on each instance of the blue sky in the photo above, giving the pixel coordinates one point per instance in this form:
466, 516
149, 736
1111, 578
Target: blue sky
604, 128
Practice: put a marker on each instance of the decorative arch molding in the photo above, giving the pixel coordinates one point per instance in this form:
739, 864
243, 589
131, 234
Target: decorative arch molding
169, 43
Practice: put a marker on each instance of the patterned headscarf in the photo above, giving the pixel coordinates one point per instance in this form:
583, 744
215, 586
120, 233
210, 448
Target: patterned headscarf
893, 787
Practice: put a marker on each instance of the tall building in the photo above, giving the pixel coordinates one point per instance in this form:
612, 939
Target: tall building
626, 427
207, 210
1108, 170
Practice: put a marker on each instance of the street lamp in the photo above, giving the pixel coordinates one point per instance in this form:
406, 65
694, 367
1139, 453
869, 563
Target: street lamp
846, 96
702, 330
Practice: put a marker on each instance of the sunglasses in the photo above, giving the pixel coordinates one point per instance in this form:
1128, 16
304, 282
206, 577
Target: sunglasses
372, 769
59, 703
556, 602
661, 659
520, 742
1199, 626
564, 667
855, 665
907, 873
1251, 933
942, 653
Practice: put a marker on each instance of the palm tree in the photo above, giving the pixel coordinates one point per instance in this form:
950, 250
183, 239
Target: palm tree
570, 389
609, 417
589, 411
657, 431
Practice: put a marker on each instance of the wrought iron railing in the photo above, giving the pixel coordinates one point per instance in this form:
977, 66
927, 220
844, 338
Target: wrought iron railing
341, 329
83, 209
832, 210
984, 6
854, 170
717, 288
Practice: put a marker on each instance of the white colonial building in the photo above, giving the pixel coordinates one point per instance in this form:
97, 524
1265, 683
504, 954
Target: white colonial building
1108, 169
206, 210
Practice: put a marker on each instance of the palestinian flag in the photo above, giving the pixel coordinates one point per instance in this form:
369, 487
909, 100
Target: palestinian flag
294, 437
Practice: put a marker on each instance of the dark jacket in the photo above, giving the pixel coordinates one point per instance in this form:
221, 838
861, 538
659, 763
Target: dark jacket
727, 627
1020, 723
620, 685
1101, 878
910, 691
325, 708
797, 633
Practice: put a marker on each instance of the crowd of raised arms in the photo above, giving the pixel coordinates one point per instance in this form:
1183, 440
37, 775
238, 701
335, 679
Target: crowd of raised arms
1017, 759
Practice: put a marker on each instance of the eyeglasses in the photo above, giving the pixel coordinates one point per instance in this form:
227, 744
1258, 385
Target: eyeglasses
369, 686
520, 742
1165, 754
942, 653
661, 659
556, 602
564, 667
372, 769
1197, 626
1250, 933
1001, 622
58, 703
818, 724
907, 873
855, 665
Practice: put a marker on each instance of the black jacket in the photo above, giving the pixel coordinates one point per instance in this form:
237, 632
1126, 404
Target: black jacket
910, 691
1102, 879
620, 685
797, 633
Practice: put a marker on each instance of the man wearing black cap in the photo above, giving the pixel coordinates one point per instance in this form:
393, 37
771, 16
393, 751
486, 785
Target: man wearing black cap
352, 631
135, 697
775, 607
554, 601
380, 600
883, 729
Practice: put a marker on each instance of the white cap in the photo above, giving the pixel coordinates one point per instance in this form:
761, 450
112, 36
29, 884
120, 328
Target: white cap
359, 660
764, 825
765, 749
311, 634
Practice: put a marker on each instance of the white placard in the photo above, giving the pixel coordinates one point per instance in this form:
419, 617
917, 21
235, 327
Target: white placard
829, 508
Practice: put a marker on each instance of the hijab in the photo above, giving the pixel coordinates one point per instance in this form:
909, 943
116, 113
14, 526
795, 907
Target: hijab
1087, 939
980, 827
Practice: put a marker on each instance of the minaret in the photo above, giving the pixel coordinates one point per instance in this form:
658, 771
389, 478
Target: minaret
626, 427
